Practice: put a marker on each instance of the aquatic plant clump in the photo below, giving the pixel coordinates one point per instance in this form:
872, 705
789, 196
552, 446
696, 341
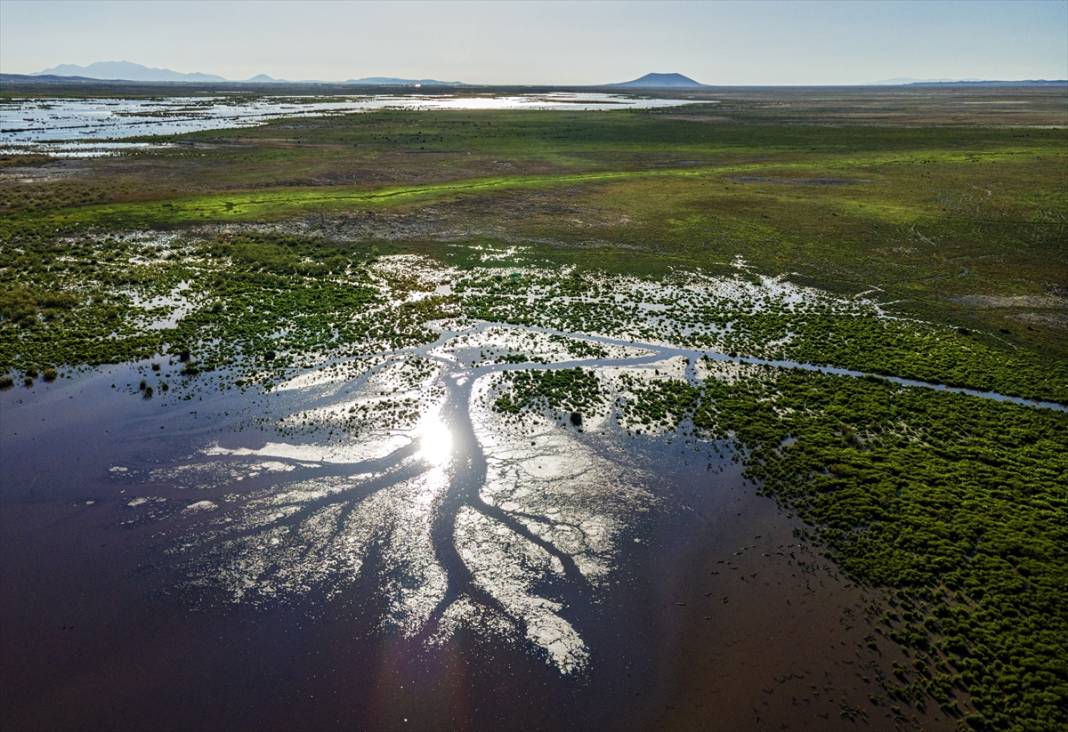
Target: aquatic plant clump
954, 506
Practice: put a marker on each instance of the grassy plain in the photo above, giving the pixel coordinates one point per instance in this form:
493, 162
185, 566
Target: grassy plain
957, 223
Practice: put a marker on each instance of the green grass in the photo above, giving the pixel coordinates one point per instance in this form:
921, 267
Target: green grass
924, 213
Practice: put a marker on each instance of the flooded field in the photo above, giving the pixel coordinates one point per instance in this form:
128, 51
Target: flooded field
500, 496
338, 630
392, 507
79, 127
485, 420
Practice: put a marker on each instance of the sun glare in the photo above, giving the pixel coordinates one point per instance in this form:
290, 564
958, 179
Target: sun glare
435, 440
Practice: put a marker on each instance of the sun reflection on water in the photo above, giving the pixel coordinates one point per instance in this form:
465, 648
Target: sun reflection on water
435, 440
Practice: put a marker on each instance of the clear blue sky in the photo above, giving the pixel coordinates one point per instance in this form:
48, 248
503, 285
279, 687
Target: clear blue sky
550, 42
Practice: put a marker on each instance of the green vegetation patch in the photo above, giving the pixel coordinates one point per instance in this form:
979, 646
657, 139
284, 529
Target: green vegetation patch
574, 390
957, 507
264, 302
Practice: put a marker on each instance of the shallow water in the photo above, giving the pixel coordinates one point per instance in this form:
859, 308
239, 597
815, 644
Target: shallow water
711, 612
372, 544
77, 127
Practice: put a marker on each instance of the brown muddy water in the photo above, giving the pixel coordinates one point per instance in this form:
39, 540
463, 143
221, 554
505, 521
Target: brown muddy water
129, 528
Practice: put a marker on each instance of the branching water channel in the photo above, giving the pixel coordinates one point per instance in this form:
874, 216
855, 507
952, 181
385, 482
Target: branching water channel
470, 519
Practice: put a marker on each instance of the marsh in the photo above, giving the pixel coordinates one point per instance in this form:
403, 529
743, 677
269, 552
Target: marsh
557, 410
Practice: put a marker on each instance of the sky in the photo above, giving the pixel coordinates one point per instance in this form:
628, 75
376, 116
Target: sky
774, 42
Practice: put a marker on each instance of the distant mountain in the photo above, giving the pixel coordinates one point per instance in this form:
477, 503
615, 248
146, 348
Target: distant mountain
129, 71
673, 81
43, 78
125, 70
978, 82
903, 80
968, 82
393, 81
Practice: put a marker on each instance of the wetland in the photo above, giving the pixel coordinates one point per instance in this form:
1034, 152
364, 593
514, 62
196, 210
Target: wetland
542, 411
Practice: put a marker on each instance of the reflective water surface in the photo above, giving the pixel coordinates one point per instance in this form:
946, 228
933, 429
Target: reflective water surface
372, 543
175, 565
77, 127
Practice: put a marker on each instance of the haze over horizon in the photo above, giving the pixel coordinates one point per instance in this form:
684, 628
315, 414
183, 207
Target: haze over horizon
592, 43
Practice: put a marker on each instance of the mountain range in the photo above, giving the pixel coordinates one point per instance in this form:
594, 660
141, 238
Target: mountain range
394, 81
126, 71
129, 71
907, 81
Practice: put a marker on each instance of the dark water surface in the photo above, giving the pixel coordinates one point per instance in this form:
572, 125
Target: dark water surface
716, 618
